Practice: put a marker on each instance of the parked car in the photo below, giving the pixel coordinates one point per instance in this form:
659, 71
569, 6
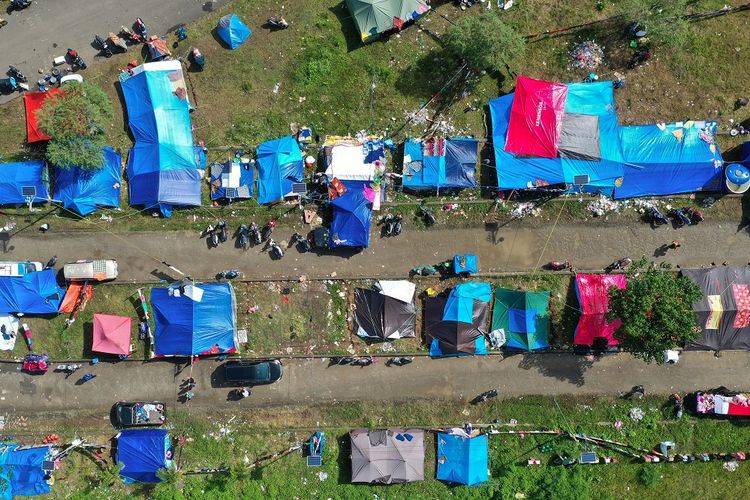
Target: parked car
240, 373
94, 270
139, 413
19, 268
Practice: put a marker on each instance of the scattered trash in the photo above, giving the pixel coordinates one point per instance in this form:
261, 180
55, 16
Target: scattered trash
618, 424
586, 55
731, 466
524, 209
106, 218
276, 87
322, 475
636, 414
602, 205
8, 227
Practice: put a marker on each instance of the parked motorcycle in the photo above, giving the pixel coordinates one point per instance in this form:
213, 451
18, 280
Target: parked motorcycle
619, 264
365, 361
738, 129
19, 4
484, 397
130, 35
213, 236
223, 231
681, 218
278, 22
229, 274
116, 41
340, 360
400, 361
76, 61
68, 369
16, 73
391, 225
427, 215
656, 217
140, 28
275, 249
424, 271
243, 238
268, 230
694, 214
558, 265
51, 262
8, 85
103, 46
255, 233
302, 244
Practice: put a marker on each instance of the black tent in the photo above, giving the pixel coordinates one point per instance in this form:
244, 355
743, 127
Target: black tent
724, 312
453, 337
381, 317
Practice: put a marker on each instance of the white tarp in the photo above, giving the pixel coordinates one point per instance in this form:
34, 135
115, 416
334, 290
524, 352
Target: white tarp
399, 290
348, 163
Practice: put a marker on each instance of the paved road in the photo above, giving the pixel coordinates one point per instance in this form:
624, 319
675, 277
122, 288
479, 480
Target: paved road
589, 245
34, 36
313, 381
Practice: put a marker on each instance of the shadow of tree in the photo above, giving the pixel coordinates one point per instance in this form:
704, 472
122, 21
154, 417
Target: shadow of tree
564, 367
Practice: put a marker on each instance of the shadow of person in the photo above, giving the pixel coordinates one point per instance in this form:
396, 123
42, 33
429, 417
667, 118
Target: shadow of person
661, 251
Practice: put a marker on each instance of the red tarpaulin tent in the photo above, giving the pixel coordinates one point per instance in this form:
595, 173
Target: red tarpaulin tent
111, 334
34, 101
536, 118
593, 297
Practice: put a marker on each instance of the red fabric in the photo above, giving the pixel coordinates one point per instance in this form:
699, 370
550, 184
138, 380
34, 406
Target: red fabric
111, 334
34, 101
536, 118
738, 409
73, 296
593, 296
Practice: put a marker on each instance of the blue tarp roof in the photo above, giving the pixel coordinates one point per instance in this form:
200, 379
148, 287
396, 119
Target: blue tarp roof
462, 459
162, 165
352, 212
21, 471
34, 293
453, 169
83, 190
185, 327
460, 304
142, 453
746, 153
15, 176
279, 165
232, 31
220, 190
517, 172
670, 158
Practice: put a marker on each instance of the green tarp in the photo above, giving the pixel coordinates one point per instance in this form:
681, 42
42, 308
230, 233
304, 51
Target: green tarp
373, 17
523, 316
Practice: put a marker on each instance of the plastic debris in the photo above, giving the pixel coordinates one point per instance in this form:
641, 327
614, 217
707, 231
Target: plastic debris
636, 414
524, 209
602, 205
586, 55
731, 466
322, 475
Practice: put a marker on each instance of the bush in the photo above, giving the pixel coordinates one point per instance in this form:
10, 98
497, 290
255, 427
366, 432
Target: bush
649, 475
485, 42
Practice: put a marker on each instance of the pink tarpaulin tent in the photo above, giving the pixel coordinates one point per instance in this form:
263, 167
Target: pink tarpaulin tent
536, 118
111, 334
593, 297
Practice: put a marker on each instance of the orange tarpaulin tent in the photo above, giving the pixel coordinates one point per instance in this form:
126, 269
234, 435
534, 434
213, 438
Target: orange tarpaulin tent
111, 334
73, 297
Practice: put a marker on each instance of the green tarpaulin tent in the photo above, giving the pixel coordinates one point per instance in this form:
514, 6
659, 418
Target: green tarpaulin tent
374, 17
523, 316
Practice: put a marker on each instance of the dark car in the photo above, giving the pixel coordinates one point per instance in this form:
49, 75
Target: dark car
139, 413
241, 372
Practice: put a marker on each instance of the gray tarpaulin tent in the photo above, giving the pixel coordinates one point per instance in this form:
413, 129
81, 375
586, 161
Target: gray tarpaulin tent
386, 313
387, 456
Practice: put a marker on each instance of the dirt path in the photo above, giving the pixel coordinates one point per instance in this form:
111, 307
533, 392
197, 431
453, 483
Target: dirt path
516, 247
307, 381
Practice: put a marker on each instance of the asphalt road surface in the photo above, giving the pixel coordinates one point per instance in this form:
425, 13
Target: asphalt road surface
308, 381
516, 247
36, 35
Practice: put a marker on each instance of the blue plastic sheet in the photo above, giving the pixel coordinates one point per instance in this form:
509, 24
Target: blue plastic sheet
455, 169
185, 327
462, 459
16, 176
82, 191
279, 165
34, 293
352, 213
21, 472
143, 453
232, 31
460, 304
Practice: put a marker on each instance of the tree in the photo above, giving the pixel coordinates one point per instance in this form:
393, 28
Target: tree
75, 120
656, 309
485, 42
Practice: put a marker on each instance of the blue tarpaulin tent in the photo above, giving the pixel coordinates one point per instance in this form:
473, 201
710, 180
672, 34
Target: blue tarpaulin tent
203, 324
163, 166
143, 453
84, 190
456, 326
21, 473
34, 293
279, 165
232, 31
20, 182
746, 154
440, 163
462, 459
670, 158
231, 180
352, 212
460, 304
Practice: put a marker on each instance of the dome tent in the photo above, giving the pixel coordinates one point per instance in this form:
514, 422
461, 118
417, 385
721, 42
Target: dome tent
232, 31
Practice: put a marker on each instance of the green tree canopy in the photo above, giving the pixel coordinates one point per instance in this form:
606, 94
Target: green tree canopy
656, 309
484, 41
662, 18
75, 120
